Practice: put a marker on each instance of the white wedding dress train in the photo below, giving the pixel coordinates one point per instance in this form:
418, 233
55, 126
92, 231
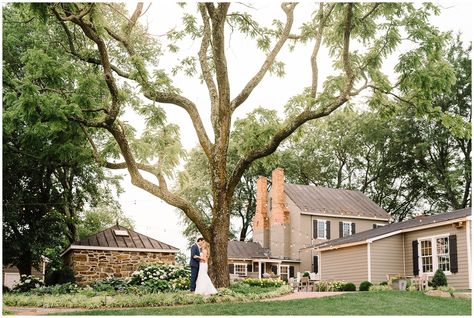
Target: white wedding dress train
204, 285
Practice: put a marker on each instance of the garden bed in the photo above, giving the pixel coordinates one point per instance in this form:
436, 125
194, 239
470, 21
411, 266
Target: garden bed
122, 300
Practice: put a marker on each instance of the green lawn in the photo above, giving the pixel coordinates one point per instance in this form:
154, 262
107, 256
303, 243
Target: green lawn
359, 303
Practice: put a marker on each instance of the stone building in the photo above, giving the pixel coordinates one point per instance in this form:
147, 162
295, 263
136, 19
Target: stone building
115, 252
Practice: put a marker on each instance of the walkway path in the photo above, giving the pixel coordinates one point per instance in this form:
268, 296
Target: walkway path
37, 311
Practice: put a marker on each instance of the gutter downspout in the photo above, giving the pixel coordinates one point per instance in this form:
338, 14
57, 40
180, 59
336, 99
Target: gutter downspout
468, 243
369, 267
404, 260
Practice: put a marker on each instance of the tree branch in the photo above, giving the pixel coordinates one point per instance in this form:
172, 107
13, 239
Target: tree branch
288, 8
319, 37
279, 136
347, 37
161, 190
376, 5
89, 30
206, 73
191, 109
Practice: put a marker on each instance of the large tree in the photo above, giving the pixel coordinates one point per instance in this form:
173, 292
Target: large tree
49, 173
356, 38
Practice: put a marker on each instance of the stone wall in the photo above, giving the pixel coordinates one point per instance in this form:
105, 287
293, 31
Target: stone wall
91, 265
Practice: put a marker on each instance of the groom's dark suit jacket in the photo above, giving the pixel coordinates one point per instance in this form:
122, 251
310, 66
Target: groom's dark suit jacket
194, 262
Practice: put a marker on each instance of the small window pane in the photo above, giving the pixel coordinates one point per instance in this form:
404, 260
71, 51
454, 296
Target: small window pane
346, 229
321, 229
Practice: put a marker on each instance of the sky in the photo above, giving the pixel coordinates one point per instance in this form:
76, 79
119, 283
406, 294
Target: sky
159, 220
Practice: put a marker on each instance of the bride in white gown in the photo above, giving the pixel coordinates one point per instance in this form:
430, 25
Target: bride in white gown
204, 285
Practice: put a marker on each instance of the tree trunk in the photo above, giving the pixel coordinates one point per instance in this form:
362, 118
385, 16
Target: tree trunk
25, 264
218, 265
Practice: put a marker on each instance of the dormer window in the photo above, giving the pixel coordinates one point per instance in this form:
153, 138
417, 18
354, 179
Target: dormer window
121, 233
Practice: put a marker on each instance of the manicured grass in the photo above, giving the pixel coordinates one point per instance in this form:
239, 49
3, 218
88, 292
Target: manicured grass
358, 303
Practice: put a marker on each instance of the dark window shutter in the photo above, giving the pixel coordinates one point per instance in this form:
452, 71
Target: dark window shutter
292, 271
315, 229
274, 269
414, 245
315, 264
453, 254
353, 230
374, 226
231, 268
249, 268
328, 229
340, 229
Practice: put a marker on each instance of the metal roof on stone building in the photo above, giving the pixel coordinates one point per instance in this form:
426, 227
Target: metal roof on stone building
109, 239
336, 202
395, 227
246, 250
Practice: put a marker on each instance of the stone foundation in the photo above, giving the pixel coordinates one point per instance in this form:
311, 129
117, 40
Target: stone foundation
91, 265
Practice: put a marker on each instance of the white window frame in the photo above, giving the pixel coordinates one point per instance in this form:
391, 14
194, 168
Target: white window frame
325, 232
239, 272
350, 228
434, 253
287, 271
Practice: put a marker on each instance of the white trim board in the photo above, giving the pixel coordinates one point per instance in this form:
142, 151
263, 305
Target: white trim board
346, 216
370, 240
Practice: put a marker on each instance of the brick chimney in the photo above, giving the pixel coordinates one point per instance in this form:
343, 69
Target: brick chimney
280, 227
260, 223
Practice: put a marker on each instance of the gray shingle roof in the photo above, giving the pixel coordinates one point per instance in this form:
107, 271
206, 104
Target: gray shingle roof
248, 250
108, 238
418, 221
326, 201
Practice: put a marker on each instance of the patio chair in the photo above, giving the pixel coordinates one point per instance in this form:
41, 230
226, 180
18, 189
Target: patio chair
420, 282
304, 283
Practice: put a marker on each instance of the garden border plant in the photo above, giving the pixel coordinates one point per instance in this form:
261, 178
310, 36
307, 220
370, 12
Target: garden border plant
121, 300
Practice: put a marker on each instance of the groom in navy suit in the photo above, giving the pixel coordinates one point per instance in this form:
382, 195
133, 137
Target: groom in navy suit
194, 262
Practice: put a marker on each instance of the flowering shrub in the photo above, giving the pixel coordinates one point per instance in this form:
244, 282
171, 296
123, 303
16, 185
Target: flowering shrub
336, 285
27, 283
161, 277
263, 282
446, 289
330, 285
375, 288
180, 283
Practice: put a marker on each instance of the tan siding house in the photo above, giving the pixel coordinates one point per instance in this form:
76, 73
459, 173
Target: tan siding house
291, 217
456, 280
386, 257
412, 248
334, 264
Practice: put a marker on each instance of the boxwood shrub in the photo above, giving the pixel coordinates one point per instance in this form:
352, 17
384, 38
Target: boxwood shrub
349, 287
439, 279
364, 286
